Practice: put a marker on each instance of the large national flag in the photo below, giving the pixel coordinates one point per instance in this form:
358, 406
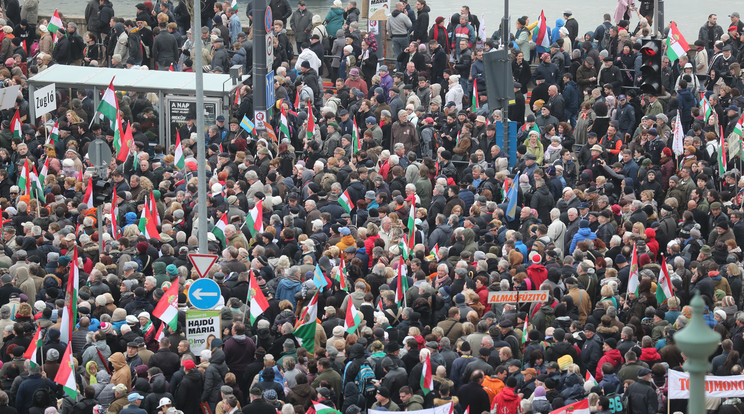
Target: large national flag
722, 158
356, 140
234, 6
412, 225
664, 286
167, 309
55, 23
254, 219
284, 125
427, 381
109, 106
305, 331
324, 409
633, 279
69, 312
345, 201
34, 347
739, 128
147, 222
476, 103
512, 195
353, 318
580, 407
88, 197
114, 214
219, 229
679, 136
675, 43
16, 125
179, 160
66, 373
256, 298
154, 208
590, 378
543, 37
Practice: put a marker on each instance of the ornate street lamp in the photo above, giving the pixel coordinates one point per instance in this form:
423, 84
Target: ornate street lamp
697, 341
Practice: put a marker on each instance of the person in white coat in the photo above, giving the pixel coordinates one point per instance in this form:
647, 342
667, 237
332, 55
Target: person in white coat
557, 229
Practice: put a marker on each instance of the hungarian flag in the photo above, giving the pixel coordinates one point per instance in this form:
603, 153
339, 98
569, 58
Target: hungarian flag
167, 309
403, 246
255, 219
154, 208
664, 286
69, 312
34, 347
55, 23
219, 229
114, 214
676, 45
44, 172
38, 184
237, 97
54, 135
476, 104
341, 277
310, 122
705, 107
88, 197
356, 140
412, 224
345, 201
284, 125
147, 328
739, 128
126, 141
179, 162
24, 181
543, 37
525, 332
324, 409
590, 378
722, 158
353, 318
305, 332
319, 279
108, 106
435, 250
679, 136
16, 124
580, 407
66, 373
234, 5
147, 222
427, 381
256, 298
402, 286
159, 334
633, 280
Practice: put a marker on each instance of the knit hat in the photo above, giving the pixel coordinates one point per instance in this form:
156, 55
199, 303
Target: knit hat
171, 269
119, 315
539, 391
107, 328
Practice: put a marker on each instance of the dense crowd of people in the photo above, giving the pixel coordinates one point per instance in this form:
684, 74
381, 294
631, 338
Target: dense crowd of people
381, 189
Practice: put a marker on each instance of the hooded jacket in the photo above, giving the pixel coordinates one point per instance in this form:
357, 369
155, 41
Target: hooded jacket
507, 401
122, 373
214, 376
25, 283
612, 357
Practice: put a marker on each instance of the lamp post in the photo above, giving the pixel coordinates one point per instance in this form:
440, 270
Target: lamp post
697, 341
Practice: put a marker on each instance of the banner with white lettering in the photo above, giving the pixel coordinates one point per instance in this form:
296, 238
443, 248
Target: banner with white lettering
715, 387
513, 296
442, 409
201, 328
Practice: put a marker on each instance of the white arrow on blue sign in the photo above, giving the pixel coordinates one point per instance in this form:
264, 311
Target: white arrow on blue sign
204, 294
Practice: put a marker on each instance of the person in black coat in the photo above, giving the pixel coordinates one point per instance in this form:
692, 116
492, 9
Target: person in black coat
258, 405
62, 53
165, 359
473, 395
642, 394
13, 11
165, 50
188, 393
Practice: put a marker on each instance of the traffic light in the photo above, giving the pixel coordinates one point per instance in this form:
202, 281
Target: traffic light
651, 66
101, 192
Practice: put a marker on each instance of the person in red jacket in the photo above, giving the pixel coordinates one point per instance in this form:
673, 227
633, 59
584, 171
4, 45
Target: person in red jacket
507, 401
481, 288
537, 272
611, 356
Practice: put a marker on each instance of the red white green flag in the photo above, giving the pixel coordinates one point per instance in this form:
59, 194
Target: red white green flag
402, 286
255, 219
54, 135
676, 45
353, 318
24, 181
664, 286
345, 201
341, 277
284, 125
412, 224
88, 198
219, 229
108, 106
34, 347
427, 381
114, 214
69, 312
722, 158
475, 104
356, 139
167, 309
256, 298
633, 279
179, 161
66, 373
16, 124
310, 130
55, 23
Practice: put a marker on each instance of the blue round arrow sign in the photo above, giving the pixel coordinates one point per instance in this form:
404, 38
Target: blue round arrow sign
204, 294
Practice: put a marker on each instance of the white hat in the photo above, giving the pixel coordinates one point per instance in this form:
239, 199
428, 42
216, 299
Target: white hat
164, 401
143, 315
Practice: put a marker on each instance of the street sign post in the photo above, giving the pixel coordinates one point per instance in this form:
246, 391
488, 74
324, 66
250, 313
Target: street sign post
203, 262
204, 294
269, 50
100, 155
270, 95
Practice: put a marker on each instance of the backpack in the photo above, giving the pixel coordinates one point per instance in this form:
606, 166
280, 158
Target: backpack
134, 45
42, 398
364, 378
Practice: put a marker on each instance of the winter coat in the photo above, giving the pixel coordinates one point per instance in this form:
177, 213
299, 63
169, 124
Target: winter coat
642, 398
189, 391
214, 376
612, 357
167, 360
334, 20
583, 234
507, 401
122, 374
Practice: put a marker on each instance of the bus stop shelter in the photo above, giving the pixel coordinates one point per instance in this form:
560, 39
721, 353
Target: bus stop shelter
175, 91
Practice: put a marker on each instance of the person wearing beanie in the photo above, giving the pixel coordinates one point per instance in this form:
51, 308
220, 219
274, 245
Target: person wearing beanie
507, 401
657, 332
540, 404
611, 356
